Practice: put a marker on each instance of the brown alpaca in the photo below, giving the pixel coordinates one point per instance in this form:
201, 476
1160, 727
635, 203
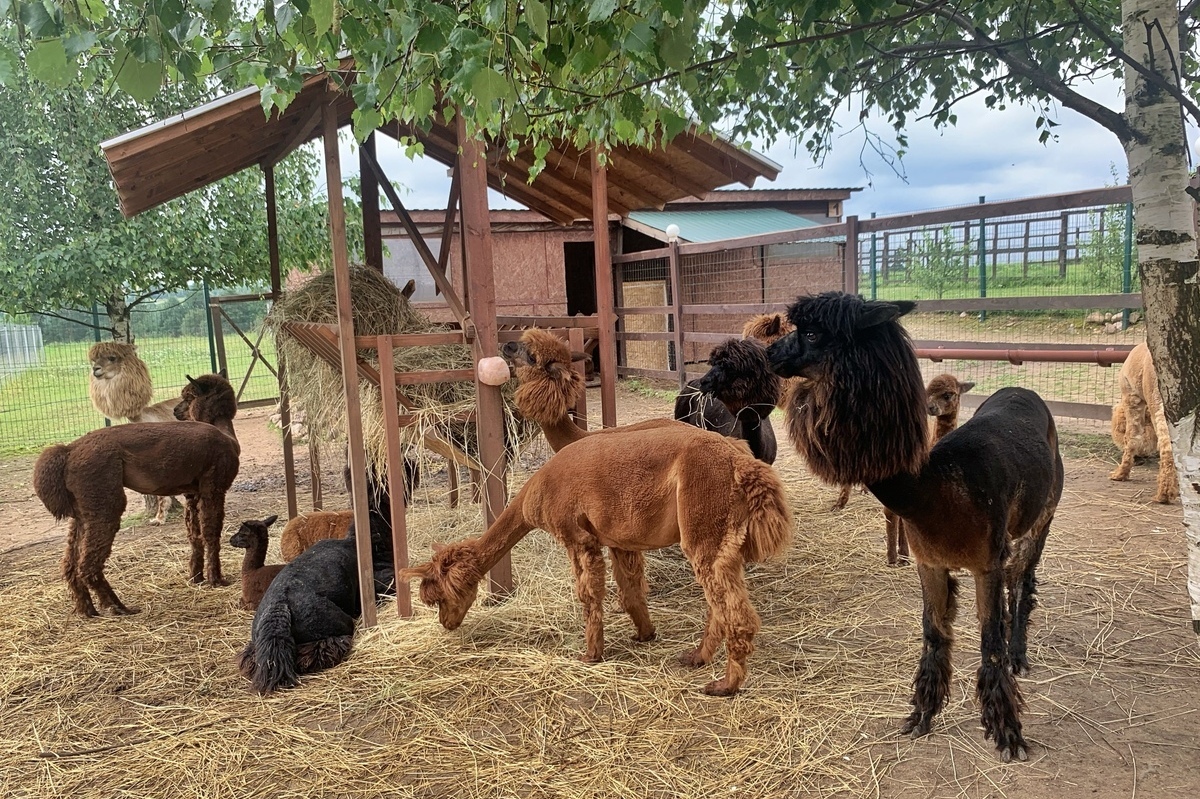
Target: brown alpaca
769, 328
942, 397
120, 388
634, 491
252, 536
85, 481
550, 386
981, 499
307, 529
1145, 424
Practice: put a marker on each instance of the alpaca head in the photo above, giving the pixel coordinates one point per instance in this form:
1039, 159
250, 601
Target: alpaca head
251, 531
450, 581
862, 417
119, 385
549, 386
767, 328
109, 358
740, 376
943, 393
207, 398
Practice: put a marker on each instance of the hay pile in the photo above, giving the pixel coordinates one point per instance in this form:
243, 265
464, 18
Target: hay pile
380, 309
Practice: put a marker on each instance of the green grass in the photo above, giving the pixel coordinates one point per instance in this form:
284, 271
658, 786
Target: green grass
1043, 280
49, 403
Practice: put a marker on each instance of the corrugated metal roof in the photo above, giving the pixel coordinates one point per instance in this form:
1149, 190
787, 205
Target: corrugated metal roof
701, 226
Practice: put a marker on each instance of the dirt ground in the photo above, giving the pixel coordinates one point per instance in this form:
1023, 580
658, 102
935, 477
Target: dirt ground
1115, 689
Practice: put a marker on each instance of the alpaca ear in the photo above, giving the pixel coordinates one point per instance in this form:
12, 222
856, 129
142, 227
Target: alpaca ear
267, 522
191, 380
578, 356
877, 313
409, 289
224, 372
963, 388
775, 325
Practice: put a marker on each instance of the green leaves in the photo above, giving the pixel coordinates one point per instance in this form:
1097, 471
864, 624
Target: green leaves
140, 80
8, 66
321, 12
538, 18
488, 86
47, 62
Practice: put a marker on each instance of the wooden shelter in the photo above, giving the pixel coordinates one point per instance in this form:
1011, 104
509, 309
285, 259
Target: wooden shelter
170, 158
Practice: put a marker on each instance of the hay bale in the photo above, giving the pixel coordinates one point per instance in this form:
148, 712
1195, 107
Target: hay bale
380, 309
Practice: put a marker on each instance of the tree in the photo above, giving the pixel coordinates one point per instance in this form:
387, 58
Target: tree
632, 71
939, 262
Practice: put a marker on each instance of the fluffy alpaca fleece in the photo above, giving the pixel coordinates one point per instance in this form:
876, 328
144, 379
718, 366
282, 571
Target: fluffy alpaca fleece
735, 397
252, 536
85, 481
981, 499
550, 387
633, 491
1140, 426
305, 620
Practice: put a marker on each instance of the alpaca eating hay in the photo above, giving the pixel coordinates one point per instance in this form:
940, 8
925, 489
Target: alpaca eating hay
633, 491
85, 481
981, 499
1145, 424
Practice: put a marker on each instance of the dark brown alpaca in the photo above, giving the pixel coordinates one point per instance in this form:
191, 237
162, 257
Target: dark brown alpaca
252, 536
634, 491
981, 499
86, 481
942, 396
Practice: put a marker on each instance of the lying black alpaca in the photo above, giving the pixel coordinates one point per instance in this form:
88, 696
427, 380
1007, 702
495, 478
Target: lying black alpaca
735, 397
305, 620
981, 499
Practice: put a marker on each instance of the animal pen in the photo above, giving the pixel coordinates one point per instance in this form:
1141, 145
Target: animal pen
173, 157
1056, 254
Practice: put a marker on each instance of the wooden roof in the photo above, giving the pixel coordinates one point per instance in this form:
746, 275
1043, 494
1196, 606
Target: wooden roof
170, 158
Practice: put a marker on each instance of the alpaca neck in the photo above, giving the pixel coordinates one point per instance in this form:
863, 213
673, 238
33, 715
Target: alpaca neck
255, 557
561, 432
904, 494
509, 528
944, 425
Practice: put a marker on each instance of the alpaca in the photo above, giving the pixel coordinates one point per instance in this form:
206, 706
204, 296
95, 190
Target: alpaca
550, 386
735, 397
120, 388
981, 499
305, 530
1145, 425
256, 576
304, 622
85, 480
633, 491
767, 329
942, 397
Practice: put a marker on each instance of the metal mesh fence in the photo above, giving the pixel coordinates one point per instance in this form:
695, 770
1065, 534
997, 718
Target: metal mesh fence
44, 389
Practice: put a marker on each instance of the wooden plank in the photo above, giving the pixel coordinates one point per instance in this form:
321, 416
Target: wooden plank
479, 265
677, 312
369, 198
1075, 410
749, 309
850, 257
1032, 205
349, 361
289, 455
646, 336
515, 335
575, 341
637, 310
657, 374
410, 340
833, 231
1019, 355
272, 231
996, 345
607, 319
642, 255
302, 133
448, 222
579, 320
432, 376
397, 478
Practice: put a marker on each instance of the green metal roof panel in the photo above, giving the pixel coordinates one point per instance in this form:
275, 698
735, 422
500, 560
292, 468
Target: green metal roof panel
720, 225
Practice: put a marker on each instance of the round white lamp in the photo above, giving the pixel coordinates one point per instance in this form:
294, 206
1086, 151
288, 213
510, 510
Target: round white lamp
492, 371
672, 232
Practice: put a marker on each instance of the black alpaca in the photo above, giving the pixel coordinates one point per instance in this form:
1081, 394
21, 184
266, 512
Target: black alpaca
305, 620
735, 397
981, 499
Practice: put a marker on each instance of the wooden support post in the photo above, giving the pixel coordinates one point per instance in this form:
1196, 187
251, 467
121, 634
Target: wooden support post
850, 265
575, 341
285, 408
314, 469
677, 312
397, 478
1063, 222
477, 234
354, 433
607, 318
372, 230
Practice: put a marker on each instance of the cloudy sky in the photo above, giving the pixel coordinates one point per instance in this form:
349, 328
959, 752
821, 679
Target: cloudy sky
990, 153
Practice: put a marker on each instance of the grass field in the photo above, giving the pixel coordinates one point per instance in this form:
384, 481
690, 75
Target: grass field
49, 403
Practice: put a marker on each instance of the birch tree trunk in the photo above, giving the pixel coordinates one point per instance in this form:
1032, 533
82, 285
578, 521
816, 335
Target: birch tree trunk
118, 317
1167, 249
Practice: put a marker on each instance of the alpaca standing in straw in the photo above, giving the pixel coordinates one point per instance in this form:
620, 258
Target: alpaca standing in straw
86, 481
120, 388
633, 491
1145, 424
981, 499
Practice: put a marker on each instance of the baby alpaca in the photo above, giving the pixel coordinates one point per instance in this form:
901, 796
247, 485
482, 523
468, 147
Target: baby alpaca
252, 537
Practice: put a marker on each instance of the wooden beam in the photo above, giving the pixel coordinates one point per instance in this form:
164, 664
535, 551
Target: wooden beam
397, 478
575, 341
302, 133
372, 234
604, 294
448, 223
477, 235
349, 361
677, 312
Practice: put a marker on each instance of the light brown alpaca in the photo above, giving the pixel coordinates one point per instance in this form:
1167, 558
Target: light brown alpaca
769, 328
1145, 422
120, 388
942, 400
632, 491
550, 386
303, 531
86, 481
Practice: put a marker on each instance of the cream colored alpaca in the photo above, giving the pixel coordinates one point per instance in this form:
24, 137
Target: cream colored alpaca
1141, 405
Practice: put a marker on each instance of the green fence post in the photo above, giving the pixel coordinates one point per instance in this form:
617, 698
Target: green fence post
874, 267
96, 336
212, 342
1127, 267
982, 259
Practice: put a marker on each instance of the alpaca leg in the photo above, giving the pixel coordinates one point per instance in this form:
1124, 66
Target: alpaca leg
71, 561
629, 570
843, 498
1021, 577
996, 688
931, 686
95, 549
1168, 479
191, 520
902, 557
588, 563
739, 623
1135, 425
212, 517
709, 641
162, 506
702, 567
323, 654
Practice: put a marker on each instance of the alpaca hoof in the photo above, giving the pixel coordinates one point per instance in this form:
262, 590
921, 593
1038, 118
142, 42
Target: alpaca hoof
121, 610
216, 582
692, 659
1119, 476
157, 521
590, 658
642, 638
86, 611
196, 579
720, 688
1018, 751
915, 726
1164, 499
1020, 664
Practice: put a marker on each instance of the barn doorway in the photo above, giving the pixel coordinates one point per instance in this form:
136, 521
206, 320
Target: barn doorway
579, 263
